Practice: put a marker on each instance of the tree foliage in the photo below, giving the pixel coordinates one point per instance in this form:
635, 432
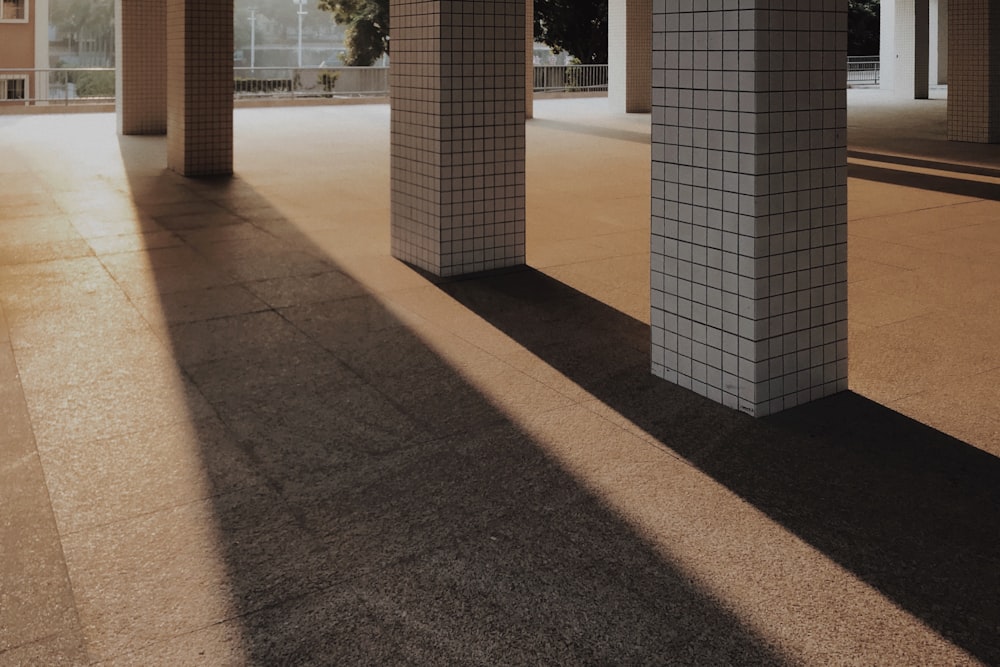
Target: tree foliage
579, 27
367, 24
863, 27
91, 21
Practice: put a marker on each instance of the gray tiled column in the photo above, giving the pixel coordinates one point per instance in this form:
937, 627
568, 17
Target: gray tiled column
200, 87
457, 134
912, 43
629, 55
749, 201
974, 71
141, 75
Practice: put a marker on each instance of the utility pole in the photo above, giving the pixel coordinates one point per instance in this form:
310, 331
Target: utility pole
301, 13
253, 36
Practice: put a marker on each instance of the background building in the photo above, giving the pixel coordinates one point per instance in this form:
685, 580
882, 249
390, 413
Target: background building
24, 44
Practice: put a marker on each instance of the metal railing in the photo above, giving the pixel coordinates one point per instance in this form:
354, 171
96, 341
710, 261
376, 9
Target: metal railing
57, 86
96, 85
863, 70
571, 78
295, 82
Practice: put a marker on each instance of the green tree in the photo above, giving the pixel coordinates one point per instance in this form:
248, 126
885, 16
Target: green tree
578, 27
90, 22
862, 27
367, 23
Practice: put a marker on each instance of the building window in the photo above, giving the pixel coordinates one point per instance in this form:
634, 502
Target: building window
13, 88
14, 10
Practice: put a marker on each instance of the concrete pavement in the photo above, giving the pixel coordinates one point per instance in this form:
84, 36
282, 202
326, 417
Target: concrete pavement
235, 431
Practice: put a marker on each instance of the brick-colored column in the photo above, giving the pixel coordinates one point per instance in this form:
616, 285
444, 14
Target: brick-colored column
912, 42
141, 75
457, 133
974, 71
630, 55
200, 87
529, 58
749, 201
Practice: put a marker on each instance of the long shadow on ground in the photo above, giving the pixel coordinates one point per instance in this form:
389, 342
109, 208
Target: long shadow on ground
373, 507
908, 509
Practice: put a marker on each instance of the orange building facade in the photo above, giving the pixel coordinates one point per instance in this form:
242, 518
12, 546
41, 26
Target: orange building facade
23, 46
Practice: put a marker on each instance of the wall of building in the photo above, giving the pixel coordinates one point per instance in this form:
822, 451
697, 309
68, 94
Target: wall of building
17, 41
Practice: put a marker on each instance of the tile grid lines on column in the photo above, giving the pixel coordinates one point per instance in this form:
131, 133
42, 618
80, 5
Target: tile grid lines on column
200, 99
458, 167
973, 71
748, 271
141, 81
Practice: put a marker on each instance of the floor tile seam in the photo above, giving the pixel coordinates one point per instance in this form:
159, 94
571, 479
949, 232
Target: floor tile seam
258, 467
974, 253
37, 452
926, 171
880, 261
968, 201
934, 312
873, 285
31, 642
19, 241
155, 294
472, 340
960, 380
869, 240
154, 328
923, 236
240, 616
162, 426
357, 374
163, 509
638, 432
543, 266
506, 363
267, 308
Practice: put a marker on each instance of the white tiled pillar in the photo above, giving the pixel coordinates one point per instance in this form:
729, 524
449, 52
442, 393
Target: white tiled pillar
629, 55
41, 83
974, 71
529, 58
200, 87
887, 45
749, 200
141, 75
938, 42
912, 44
457, 134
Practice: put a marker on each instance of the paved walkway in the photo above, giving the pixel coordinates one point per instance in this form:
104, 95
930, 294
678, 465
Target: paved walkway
235, 431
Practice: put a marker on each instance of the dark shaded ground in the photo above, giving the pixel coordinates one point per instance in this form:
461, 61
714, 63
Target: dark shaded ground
908, 509
391, 514
387, 512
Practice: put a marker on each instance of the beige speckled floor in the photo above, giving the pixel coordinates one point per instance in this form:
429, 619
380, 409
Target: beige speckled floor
235, 431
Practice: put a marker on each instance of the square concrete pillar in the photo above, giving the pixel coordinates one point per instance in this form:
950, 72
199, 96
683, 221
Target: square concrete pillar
974, 71
200, 87
141, 75
749, 200
457, 157
630, 33
938, 60
912, 43
529, 58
